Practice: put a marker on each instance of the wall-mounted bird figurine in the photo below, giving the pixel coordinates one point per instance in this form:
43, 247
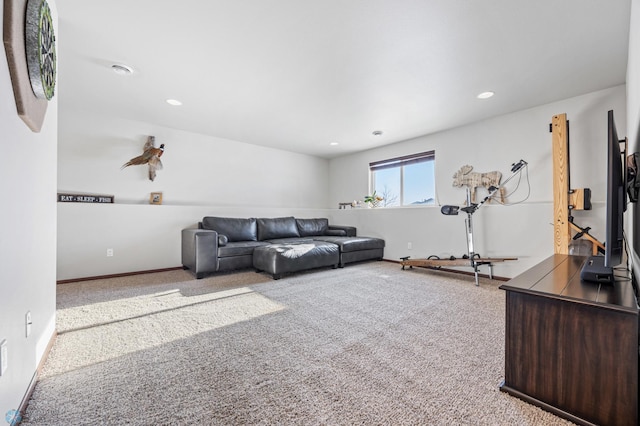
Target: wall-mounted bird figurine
151, 156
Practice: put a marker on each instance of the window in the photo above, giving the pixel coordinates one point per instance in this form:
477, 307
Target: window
405, 181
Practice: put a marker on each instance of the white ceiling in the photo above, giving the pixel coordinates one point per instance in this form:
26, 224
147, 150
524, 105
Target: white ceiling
300, 74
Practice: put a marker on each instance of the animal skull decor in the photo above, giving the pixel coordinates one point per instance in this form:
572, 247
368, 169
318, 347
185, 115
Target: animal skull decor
465, 177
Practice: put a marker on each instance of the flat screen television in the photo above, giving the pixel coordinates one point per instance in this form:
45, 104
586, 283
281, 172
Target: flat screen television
600, 268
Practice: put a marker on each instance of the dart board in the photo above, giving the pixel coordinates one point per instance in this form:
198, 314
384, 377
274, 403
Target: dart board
40, 46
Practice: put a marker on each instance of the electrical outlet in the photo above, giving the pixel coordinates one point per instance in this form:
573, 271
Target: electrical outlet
4, 357
27, 322
109, 252
409, 246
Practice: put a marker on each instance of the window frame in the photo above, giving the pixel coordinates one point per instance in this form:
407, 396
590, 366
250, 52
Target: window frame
400, 162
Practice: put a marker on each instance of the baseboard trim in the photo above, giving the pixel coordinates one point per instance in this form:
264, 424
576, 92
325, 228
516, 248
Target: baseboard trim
455, 271
32, 385
125, 274
151, 271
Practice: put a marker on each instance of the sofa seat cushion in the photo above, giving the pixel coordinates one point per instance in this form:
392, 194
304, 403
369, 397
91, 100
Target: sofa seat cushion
348, 244
240, 248
278, 227
235, 229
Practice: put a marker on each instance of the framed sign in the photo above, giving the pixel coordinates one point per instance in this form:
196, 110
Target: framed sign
155, 198
85, 198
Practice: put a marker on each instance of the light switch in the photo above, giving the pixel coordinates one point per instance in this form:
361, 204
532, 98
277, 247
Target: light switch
4, 357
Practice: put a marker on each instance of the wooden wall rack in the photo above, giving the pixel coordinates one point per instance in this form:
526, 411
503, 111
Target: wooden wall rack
566, 199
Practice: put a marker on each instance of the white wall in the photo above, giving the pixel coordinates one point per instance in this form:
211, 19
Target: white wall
202, 176
633, 78
142, 237
147, 237
205, 175
28, 167
524, 230
198, 170
633, 127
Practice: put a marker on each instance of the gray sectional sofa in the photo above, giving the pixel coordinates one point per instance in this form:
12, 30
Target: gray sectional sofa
273, 245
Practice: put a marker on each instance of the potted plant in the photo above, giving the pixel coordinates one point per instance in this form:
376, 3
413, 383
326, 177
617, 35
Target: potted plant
373, 200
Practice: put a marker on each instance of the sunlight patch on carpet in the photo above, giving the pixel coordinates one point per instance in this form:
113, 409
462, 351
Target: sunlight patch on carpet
137, 326
101, 313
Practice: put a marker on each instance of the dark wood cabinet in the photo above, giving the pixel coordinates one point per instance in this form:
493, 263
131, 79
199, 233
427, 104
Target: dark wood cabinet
571, 346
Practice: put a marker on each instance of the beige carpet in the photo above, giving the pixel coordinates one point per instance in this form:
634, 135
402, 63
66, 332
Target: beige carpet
369, 344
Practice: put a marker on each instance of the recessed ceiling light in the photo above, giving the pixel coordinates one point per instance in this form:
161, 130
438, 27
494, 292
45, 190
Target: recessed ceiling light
485, 95
174, 102
334, 143
377, 133
122, 69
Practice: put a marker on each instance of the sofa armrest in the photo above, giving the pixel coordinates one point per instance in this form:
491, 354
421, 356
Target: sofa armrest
350, 231
200, 251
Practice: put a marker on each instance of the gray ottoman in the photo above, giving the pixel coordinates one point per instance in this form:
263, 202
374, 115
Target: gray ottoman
278, 259
355, 249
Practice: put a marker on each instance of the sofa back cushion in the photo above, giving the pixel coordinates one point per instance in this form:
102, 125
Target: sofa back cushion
236, 229
312, 227
278, 227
